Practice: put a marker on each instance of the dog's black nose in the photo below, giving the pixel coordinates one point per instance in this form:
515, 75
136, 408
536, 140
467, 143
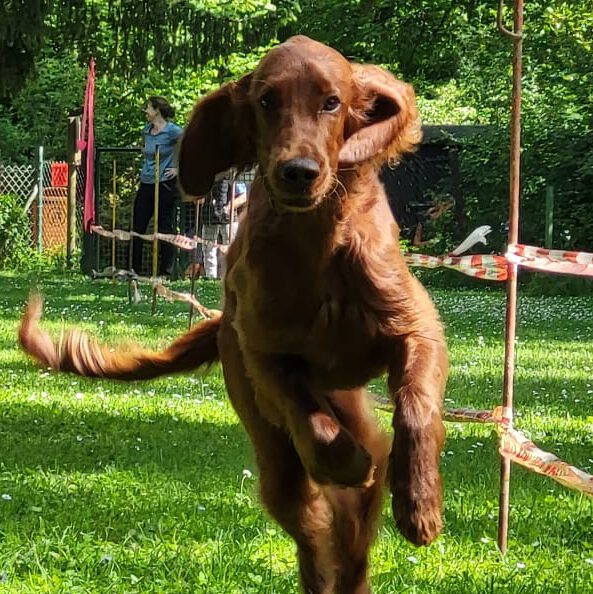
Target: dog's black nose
299, 174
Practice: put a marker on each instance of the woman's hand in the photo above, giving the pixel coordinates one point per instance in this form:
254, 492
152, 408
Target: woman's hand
170, 172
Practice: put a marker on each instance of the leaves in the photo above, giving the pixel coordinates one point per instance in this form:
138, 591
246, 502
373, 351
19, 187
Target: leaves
130, 36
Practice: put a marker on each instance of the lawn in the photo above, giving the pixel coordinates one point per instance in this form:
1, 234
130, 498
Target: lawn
151, 487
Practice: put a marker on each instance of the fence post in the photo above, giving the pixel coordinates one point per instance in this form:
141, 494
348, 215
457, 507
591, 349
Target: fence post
549, 216
513, 237
74, 158
155, 219
40, 204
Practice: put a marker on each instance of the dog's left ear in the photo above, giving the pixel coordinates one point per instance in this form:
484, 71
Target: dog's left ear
220, 135
383, 122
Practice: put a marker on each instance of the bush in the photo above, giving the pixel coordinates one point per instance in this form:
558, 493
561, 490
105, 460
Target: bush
15, 233
558, 284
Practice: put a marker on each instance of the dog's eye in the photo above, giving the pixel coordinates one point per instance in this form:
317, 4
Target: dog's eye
267, 101
331, 104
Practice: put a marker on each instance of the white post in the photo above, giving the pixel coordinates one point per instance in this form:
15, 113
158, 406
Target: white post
40, 204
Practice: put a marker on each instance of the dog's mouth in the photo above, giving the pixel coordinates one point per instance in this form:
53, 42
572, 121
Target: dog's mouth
299, 204
286, 201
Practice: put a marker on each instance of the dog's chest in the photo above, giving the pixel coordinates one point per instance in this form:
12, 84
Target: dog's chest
326, 318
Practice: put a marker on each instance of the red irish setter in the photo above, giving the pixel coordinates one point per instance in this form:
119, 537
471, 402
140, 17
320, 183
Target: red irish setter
318, 301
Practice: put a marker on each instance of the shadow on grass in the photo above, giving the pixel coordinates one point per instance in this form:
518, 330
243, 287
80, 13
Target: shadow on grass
198, 462
54, 438
112, 473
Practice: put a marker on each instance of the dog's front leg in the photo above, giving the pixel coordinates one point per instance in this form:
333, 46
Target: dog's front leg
286, 397
417, 379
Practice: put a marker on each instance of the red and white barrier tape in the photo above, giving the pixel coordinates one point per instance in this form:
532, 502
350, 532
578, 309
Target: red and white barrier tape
545, 260
470, 415
171, 295
487, 266
160, 289
181, 241
494, 267
514, 445
521, 450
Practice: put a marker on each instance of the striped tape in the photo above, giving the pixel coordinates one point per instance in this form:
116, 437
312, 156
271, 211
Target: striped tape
181, 241
545, 260
486, 266
157, 285
521, 450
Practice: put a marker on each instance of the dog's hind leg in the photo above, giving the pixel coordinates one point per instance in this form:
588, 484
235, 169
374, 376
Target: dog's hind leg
356, 511
286, 397
300, 506
295, 502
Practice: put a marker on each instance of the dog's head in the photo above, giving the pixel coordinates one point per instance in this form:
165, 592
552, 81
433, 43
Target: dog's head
303, 115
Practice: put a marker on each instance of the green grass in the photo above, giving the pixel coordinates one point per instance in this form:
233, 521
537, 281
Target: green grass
151, 487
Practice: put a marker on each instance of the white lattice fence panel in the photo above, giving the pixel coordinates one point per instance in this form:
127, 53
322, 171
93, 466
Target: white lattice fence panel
17, 179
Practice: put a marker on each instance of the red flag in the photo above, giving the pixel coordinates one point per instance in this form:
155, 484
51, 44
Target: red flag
87, 142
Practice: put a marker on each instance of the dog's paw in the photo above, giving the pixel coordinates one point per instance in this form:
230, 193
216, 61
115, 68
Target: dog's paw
337, 458
418, 518
344, 467
415, 481
417, 500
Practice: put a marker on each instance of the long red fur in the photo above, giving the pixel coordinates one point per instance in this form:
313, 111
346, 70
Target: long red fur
78, 353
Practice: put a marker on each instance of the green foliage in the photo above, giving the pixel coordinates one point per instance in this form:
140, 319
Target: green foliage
21, 39
446, 104
424, 40
130, 36
38, 113
15, 144
119, 113
15, 233
136, 36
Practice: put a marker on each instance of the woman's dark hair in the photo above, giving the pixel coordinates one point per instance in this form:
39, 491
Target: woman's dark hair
160, 103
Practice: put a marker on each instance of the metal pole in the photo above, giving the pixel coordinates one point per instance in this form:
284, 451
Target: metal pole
97, 182
155, 242
73, 164
549, 216
130, 255
40, 204
194, 261
232, 206
113, 211
511, 310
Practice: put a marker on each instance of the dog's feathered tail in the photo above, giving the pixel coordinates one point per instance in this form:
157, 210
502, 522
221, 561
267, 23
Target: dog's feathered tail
77, 353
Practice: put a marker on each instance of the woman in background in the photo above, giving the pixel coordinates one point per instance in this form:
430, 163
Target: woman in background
162, 132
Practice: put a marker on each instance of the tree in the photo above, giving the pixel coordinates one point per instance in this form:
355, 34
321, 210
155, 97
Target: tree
21, 39
130, 36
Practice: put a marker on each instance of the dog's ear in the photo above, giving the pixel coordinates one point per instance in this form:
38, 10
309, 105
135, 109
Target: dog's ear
382, 122
220, 135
